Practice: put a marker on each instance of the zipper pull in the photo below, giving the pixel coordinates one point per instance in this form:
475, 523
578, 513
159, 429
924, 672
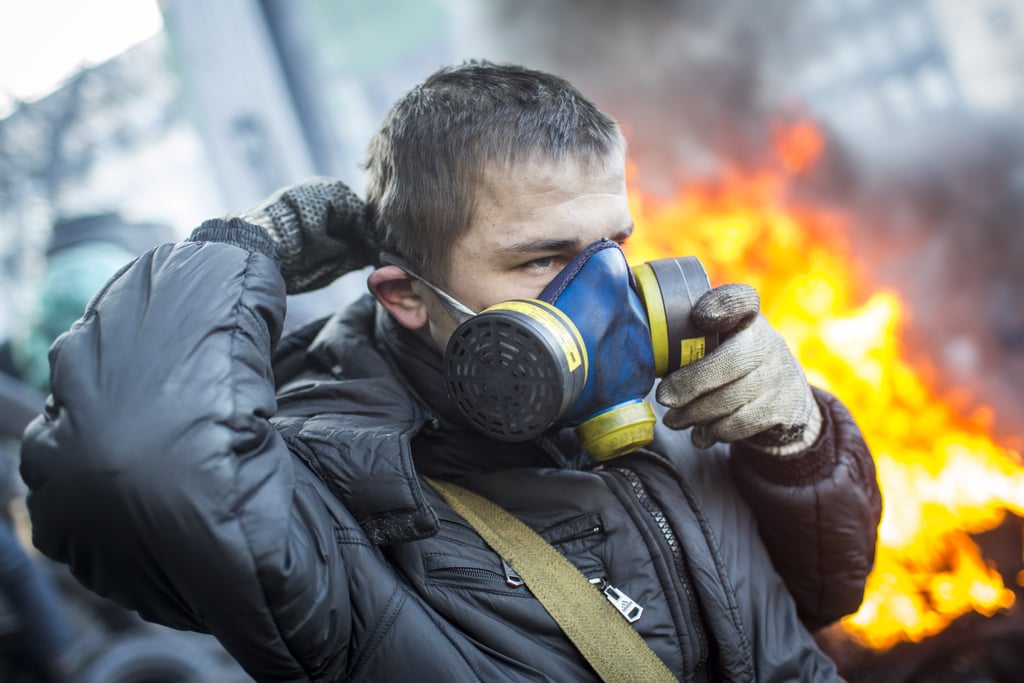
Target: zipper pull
511, 578
626, 605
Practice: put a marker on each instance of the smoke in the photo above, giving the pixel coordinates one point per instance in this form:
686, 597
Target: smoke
944, 229
692, 83
700, 85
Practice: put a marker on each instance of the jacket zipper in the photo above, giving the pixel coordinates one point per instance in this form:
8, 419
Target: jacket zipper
677, 557
627, 606
470, 572
586, 533
512, 579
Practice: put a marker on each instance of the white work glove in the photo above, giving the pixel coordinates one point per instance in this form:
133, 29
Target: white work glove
320, 229
750, 388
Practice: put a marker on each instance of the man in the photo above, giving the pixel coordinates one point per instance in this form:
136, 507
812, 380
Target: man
295, 523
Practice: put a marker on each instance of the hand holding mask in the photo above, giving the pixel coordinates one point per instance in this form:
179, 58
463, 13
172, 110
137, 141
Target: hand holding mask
751, 388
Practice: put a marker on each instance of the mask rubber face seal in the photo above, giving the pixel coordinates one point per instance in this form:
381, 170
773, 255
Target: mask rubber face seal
507, 370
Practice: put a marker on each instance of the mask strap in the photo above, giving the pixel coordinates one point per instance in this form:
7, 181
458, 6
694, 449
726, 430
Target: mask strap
456, 309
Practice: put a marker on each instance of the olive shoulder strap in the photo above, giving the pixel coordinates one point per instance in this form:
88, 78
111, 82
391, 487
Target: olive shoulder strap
612, 646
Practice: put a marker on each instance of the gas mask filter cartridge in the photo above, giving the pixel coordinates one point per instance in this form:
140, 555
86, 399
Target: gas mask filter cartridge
586, 359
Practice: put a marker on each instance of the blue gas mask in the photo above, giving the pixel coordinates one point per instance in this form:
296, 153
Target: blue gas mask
583, 354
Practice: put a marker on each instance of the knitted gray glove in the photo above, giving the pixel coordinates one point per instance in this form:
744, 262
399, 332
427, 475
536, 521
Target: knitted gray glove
750, 388
320, 229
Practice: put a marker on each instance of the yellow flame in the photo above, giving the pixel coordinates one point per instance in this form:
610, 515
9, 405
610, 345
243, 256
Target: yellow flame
942, 477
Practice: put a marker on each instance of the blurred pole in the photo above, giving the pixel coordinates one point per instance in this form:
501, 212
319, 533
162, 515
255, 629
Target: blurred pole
239, 97
291, 29
19, 404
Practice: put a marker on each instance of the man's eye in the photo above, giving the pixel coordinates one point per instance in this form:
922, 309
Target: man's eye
540, 263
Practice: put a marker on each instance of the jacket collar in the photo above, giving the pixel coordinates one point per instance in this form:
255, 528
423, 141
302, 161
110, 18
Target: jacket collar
371, 415
348, 417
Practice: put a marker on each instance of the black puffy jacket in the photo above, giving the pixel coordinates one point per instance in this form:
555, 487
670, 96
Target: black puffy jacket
288, 518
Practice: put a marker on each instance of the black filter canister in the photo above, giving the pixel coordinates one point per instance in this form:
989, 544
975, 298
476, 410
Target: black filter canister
515, 368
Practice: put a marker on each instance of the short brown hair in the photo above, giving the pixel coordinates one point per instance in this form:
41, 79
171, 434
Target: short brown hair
426, 160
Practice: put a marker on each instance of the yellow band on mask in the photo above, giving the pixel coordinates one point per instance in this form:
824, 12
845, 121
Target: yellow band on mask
557, 324
650, 292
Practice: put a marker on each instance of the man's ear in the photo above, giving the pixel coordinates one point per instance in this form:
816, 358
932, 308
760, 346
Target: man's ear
393, 288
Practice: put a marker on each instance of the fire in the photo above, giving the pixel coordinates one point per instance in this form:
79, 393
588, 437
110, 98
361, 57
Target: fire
942, 477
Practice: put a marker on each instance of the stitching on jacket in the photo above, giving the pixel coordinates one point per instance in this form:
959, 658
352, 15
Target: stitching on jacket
858, 465
305, 453
391, 610
638, 516
90, 308
819, 589
90, 312
442, 629
260, 329
352, 537
852, 460
723, 577
849, 439
420, 415
240, 306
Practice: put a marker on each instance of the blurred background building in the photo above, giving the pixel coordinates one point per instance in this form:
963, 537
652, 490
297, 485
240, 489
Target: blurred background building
884, 72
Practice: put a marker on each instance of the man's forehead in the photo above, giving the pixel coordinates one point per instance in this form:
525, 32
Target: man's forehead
543, 175
554, 224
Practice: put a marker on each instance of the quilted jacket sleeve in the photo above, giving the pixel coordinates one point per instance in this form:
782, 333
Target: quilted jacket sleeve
156, 476
818, 514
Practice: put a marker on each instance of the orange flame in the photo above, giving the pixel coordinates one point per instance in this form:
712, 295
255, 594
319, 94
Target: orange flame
942, 477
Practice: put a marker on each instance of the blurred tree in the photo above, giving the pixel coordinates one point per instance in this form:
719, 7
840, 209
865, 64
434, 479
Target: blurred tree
51, 147
48, 143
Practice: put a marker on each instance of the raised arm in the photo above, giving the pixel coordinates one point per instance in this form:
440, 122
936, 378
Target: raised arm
798, 457
818, 513
156, 475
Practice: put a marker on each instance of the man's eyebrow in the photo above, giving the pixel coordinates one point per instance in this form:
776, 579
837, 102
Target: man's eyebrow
547, 245
537, 246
